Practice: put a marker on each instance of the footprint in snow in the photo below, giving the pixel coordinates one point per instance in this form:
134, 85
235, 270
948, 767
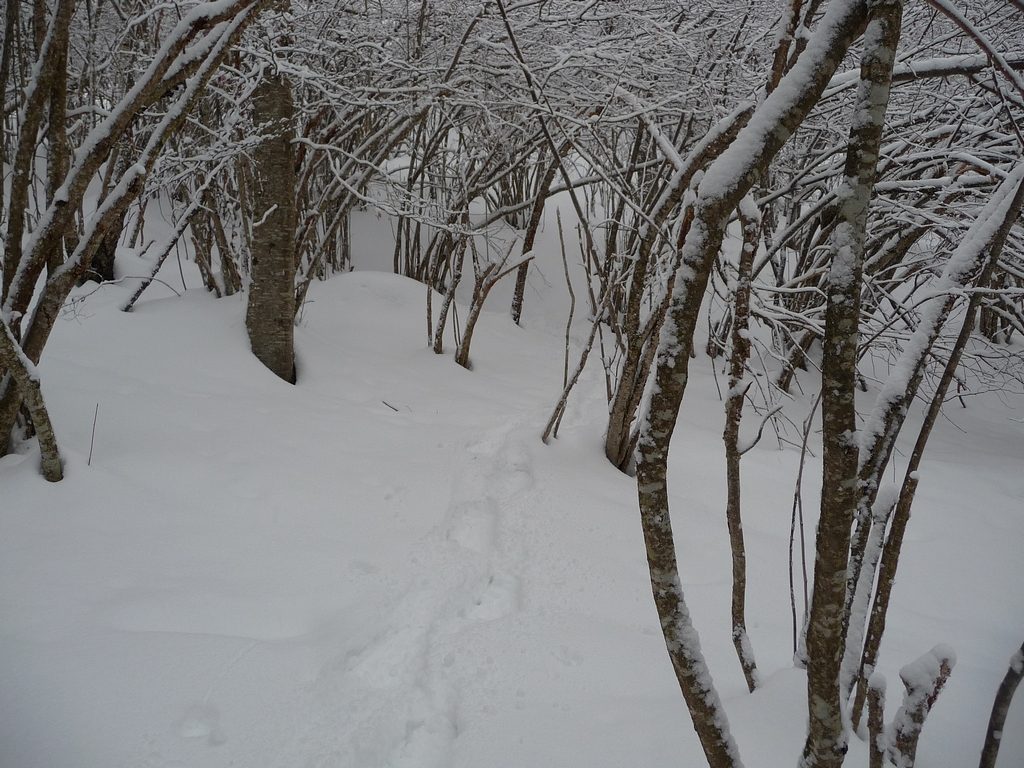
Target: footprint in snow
473, 525
499, 597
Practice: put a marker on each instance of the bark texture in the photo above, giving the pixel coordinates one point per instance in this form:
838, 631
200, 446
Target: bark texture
725, 183
1000, 708
876, 724
270, 315
13, 360
826, 630
731, 435
923, 681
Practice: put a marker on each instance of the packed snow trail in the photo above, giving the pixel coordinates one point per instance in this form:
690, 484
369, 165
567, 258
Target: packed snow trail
255, 574
400, 699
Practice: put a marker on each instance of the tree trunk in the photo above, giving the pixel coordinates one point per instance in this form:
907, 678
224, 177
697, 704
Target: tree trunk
641, 338
725, 183
102, 267
20, 368
536, 213
1004, 208
1000, 708
826, 631
750, 220
986, 236
270, 315
877, 745
55, 221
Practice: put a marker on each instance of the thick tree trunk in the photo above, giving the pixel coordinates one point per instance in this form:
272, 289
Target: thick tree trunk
270, 316
102, 267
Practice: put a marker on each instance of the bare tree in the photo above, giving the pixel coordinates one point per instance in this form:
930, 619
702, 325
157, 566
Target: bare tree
726, 181
175, 76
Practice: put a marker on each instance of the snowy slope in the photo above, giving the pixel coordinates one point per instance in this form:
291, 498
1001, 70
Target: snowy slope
383, 566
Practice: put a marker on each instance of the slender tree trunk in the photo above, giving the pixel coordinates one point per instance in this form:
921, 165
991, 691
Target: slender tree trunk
826, 737
1000, 708
20, 368
641, 339
725, 183
795, 359
270, 316
877, 745
681, 639
449, 295
893, 403
52, 51
11, 9
536, 214
1005, 207
750, 220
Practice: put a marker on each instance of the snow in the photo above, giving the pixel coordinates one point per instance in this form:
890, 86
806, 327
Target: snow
256, 574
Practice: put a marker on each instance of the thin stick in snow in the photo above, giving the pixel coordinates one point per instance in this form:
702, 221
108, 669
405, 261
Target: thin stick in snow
92, 437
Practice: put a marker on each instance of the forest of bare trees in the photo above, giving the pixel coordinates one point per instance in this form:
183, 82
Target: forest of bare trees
832, 190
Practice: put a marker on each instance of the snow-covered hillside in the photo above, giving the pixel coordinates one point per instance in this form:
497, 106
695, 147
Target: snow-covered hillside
384, 566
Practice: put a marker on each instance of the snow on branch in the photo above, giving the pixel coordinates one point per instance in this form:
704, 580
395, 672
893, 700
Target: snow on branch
923, 680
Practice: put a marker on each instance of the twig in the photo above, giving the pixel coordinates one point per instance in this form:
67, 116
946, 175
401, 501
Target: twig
760, 429
92, 438
572, 311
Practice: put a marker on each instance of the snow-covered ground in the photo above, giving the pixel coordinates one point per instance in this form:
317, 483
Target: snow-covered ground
383, 566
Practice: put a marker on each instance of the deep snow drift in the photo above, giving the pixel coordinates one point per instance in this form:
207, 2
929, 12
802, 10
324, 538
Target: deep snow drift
383, 566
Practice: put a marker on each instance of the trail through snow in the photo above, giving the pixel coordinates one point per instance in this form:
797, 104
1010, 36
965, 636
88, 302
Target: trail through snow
253, 574
402, 707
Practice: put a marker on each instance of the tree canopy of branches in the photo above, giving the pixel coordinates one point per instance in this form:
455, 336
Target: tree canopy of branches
866, 156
